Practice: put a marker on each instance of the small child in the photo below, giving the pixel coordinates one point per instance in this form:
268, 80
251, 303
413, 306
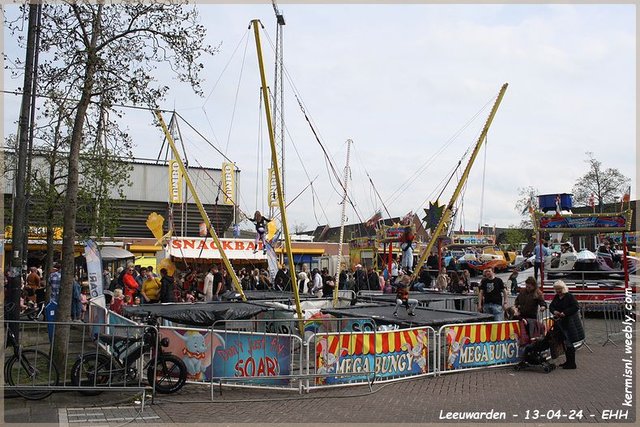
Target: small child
261, 230
189, 297
402, 296
512, 313
84, 301
118, 301
513, 280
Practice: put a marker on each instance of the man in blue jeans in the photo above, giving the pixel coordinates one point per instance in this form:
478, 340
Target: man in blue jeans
493, 295
540, 252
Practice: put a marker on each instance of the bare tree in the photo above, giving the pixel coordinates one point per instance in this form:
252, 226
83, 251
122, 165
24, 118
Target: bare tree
526, 199
299, 228
606, 185
110, 53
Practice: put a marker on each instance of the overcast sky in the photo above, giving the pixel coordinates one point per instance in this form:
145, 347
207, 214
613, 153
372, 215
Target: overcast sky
412, 86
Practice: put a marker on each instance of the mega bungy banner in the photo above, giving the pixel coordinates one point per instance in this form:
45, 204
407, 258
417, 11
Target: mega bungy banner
175, 182
229, 183
390, 354
211, 355
94, 268
481, 344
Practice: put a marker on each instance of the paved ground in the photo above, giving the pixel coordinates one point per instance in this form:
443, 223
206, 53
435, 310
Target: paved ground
595, 387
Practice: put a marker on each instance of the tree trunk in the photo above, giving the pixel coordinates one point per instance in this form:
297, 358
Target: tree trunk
18, 236
49, 216
71, 200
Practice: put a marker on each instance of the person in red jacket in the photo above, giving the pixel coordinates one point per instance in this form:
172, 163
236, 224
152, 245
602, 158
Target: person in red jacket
131, 286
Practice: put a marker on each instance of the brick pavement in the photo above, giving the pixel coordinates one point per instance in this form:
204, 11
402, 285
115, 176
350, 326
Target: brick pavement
596, 385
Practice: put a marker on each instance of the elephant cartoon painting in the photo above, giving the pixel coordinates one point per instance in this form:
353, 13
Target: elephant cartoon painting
195, 348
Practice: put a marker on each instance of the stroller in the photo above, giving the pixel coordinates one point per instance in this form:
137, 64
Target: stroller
537, 345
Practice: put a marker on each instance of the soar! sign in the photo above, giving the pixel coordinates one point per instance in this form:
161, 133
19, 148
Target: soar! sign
208, 355
389, 354
482, 344
255, 357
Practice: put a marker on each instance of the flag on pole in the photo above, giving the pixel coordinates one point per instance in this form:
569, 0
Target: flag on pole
626, 198
94, 268
407, 218
592, 202
374, 219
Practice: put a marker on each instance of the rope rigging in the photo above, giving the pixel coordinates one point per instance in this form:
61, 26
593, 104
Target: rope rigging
404, 186
327, 158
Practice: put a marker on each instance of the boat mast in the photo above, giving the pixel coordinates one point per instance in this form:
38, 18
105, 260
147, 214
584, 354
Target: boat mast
203, 213
447, 211
342, 217
276, 171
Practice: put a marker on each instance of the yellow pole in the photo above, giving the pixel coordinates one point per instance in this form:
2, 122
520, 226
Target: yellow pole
446, 213
276, 171
203, 213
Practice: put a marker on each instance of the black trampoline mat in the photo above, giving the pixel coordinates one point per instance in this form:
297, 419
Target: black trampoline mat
383, 314
274, 295
420, 296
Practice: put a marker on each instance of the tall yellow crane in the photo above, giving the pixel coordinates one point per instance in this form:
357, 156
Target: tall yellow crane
448, 209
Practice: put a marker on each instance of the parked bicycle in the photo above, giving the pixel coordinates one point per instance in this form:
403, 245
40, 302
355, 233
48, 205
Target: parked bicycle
34, 311
30, 371
165, 372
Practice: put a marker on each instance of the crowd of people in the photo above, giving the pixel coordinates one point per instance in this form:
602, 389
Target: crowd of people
134, 285
35, 286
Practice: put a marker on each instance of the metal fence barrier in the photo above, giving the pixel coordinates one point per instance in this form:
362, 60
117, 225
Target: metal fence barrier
241, 352
89, 352
619, 313
269, 353
546, 317
350, 358
472, 346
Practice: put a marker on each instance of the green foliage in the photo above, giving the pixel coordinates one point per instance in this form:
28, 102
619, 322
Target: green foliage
514, 237
97, 56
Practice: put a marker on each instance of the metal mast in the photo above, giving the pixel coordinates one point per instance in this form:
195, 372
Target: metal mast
342, 218
447, 211
278, 97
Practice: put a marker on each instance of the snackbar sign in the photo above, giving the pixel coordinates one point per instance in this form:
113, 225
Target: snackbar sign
228, 183
201, 248
175, 182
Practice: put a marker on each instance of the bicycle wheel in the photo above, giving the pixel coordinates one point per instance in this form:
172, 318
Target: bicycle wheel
92, 369
170, 374
32, 368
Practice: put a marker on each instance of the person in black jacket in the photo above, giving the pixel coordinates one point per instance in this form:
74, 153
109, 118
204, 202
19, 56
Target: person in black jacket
373, 279
360, 279
282, 281
565, 310
166, 286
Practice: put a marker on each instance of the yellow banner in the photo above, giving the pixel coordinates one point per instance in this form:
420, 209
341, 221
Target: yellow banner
273, 189
35, 232
229, 183
175, 182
